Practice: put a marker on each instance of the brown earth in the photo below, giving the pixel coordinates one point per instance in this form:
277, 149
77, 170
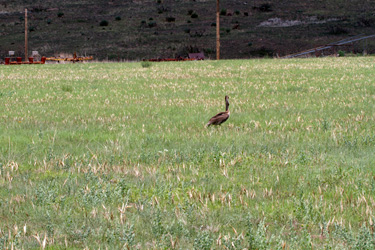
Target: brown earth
136, 30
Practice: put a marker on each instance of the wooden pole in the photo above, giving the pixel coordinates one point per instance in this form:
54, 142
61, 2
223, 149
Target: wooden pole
26, 52
217, 29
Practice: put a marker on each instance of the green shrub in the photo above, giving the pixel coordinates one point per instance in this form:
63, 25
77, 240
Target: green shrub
104, 23
341, 53
223, 12
67, 88
262, 52
337, 30
203, 241
266, 7
152, 24
170, 19
146, 64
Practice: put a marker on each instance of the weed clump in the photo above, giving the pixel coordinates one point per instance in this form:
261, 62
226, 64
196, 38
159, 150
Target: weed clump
146, 64
341, 53
266, 7
67, 88
104, 23
203, 241
337, 30
152, 24
262, 52
194, 15
170, 19
163, 9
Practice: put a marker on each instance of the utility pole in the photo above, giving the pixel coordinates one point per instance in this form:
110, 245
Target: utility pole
217, 29
26, 52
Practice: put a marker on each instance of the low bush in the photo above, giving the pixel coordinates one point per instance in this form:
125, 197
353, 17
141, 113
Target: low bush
194, 15
170, 19
262, 52
266, 7
152, 24
146, 64
223, 12
337, 30
104, 23
341, 53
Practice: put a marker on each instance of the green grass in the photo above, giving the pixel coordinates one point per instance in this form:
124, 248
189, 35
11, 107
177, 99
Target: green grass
117, 155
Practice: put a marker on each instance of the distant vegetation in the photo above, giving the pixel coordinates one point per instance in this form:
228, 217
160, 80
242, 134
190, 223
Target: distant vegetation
146, 64
124, 28
104, 23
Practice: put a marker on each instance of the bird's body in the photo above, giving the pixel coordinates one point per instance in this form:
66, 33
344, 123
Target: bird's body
221, 117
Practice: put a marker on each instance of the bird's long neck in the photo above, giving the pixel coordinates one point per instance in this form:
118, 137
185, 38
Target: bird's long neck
226, 105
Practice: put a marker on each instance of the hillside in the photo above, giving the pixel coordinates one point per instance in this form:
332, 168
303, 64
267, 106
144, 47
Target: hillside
134, 30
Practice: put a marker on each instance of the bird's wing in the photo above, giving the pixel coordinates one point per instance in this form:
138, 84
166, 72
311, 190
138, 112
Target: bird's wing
220, 117
219, 114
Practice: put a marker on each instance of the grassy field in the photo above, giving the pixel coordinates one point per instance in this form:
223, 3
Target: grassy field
115, 156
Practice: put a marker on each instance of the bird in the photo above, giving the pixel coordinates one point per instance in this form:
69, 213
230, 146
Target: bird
221, 117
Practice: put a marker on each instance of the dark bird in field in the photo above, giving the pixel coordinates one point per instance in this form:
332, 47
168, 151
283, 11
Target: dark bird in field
222, 116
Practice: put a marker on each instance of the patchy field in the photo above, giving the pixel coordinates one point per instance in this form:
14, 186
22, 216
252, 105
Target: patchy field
117, 155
